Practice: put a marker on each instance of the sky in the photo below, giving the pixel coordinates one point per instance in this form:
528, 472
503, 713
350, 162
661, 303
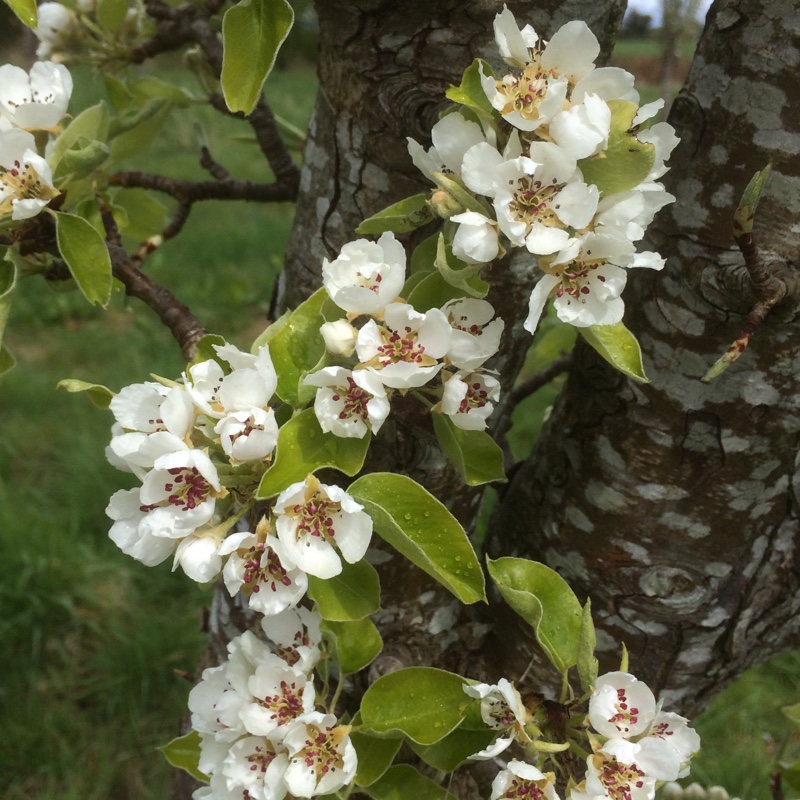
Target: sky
653, 8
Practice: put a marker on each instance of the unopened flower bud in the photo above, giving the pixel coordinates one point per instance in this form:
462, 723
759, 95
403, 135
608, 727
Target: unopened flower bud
339, 337
444, 205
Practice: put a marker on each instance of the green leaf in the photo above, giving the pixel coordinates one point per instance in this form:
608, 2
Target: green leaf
470, 92
303, 448
375, 755
617, 345
423, 259
626, 162
354, 593
423, 703
252, 33
403, 782
7, 361
25, 11
587, 663
792, 713
85, 253
112, 13
455, 749
545, 601
133, 130
149, 87
356, 643
184, 753
419, 527
401, 217
99, 395
91, 125
8, 282
296, 349
465, 277
476, 455
146, 216
431, 291
745, 214
204, 350
83, 159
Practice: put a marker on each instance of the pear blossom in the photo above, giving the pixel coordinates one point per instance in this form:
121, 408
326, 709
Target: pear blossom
199, 555
452, 136
37, 100
476, 238
56, 23
296, 634
339, 337
254, 768
248, 435
281, 694
609, 779
476, 334
349, 404
249, 383
469, 399
366, 276
322, 758
259, 567
314, 521
621, 706
522, 780
404, 353
26, 180
185, 484
502, 709
142, 533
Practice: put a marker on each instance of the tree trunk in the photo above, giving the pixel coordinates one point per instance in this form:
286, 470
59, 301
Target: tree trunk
674, 505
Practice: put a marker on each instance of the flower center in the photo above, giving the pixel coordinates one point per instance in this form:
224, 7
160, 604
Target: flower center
476, 397
525, 93
523, 789
620, 779
532, 202
575, 278
260, 759
188, 488
354, 401
315, 517
320, 751
286, 705
262, 565
403, 347
625, 716
22, 182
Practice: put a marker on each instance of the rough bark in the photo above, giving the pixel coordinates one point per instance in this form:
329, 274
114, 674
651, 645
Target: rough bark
384, 68
674, 505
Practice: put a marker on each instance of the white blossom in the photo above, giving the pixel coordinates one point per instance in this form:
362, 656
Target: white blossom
262, 570
522, 780
254, 768
366, 276
476, 334
26, 180
339, 337
404, 353
347, 403
621, 706
249, 434
469, 399
502, 709
322, 758
37, 100
56, 23
316, 522
296, 634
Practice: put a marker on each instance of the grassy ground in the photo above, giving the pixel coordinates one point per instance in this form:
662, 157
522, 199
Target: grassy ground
93, 641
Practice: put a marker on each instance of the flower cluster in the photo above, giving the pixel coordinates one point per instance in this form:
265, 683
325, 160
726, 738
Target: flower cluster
262, 736
394, 347
546, 177
634, 744
29, 103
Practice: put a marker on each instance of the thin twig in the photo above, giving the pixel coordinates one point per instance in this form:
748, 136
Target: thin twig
535, 382
211, 166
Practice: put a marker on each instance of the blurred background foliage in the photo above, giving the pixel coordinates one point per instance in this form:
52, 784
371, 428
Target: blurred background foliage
96, 648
